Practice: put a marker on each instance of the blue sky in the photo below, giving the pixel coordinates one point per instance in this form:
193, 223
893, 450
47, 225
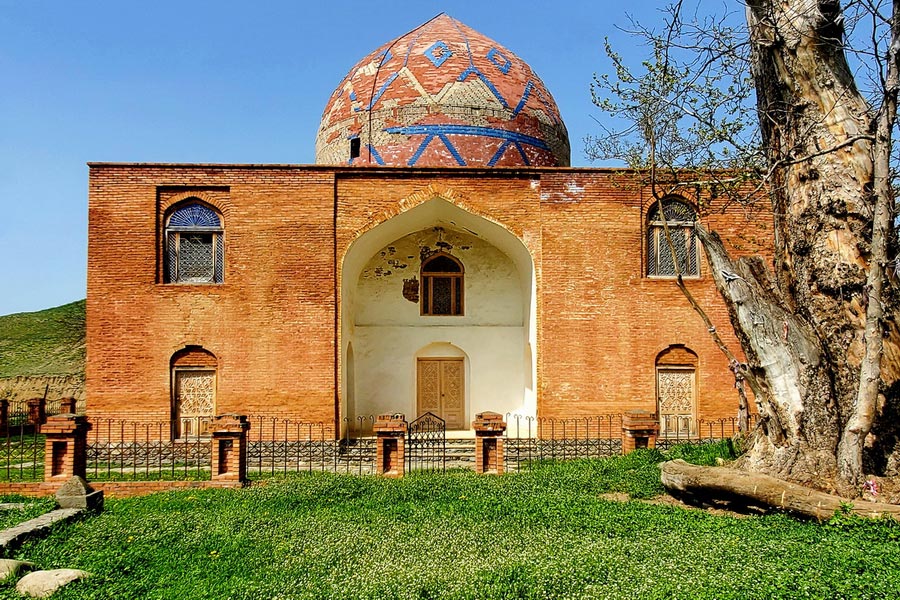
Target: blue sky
229, 82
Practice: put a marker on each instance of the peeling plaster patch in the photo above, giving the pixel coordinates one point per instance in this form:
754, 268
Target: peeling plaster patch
388, 261
574, 188
571, 193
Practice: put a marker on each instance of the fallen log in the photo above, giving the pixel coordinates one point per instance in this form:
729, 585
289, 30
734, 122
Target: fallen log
721, 486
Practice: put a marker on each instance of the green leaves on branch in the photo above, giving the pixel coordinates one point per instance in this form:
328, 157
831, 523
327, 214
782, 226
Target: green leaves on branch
687, 112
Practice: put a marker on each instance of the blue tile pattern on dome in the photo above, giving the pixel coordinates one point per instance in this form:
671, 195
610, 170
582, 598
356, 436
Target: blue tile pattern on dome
438, 60
451, 81
378, 94
500, 61
494, 55
473, 70
375, 155
194, 215
442, 131
529, 87
385, 56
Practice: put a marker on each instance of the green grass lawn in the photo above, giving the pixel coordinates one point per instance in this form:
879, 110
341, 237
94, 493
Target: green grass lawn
32, 507
546, 533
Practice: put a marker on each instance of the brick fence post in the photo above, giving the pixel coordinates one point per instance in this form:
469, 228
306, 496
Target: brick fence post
65, 447
67, 406
489, 429
639, 430
390, 445
37, 413
229, 448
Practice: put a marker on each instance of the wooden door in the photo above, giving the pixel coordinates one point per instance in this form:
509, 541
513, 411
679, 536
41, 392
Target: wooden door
195, 402
440, 384
676, 401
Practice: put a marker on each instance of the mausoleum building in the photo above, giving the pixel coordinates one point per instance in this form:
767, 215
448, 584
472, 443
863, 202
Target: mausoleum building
441, 256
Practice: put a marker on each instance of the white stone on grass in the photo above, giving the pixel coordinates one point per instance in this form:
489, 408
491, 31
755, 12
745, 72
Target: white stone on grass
41, 584
10, 568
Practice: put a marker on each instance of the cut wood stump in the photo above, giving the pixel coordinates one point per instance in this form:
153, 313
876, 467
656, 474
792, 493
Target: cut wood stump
721, 486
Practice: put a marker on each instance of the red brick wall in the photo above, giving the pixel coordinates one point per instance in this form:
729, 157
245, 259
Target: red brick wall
114, 489
272, 324
604, 321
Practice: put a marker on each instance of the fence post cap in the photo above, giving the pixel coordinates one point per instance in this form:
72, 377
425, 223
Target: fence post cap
640, 419
488, 421
395, 422
65, 423
230, 423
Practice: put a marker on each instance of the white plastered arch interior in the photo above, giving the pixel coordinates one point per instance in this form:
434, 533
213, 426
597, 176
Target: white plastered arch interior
381, 317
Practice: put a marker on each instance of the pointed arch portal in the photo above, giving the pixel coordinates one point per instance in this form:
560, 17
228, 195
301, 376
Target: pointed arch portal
477, 354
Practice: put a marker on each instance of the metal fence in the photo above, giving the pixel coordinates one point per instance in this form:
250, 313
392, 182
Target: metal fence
704, 430
530, 439
21, 442
277, 446
120, 450
21, 452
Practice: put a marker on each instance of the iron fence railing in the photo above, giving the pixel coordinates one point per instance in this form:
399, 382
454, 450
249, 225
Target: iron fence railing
120, 450
277, 446
702, 430
21, 448
531, 439
21, 442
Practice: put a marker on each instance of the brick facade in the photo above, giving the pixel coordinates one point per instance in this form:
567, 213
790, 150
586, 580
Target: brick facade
274, 324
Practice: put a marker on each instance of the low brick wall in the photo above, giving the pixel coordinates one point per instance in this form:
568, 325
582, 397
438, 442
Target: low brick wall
116, 489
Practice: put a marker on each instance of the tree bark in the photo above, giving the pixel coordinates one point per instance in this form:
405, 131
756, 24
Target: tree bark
740, 489
850, 450
811, 332
787, 369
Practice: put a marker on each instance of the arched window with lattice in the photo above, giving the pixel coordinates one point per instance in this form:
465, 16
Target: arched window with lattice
194, 244
442, 285
680, 218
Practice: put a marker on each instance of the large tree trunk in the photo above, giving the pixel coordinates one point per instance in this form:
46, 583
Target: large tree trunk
814, 366
741, 490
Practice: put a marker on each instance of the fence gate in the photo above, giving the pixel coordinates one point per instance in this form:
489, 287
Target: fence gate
426, 444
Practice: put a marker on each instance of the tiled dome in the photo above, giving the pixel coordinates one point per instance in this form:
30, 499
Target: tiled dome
442, 95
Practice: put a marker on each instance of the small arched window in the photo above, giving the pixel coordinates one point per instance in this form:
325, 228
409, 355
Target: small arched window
442, 285
680, 219
195, 245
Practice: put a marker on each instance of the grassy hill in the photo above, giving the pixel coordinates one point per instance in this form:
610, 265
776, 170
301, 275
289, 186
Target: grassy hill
47, 342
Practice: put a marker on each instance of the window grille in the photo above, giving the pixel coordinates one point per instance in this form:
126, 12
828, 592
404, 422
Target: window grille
195, 246
680, 219
442, 285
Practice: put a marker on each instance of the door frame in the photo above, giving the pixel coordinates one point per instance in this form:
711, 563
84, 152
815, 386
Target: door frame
175, 405
694, 395
464, 390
